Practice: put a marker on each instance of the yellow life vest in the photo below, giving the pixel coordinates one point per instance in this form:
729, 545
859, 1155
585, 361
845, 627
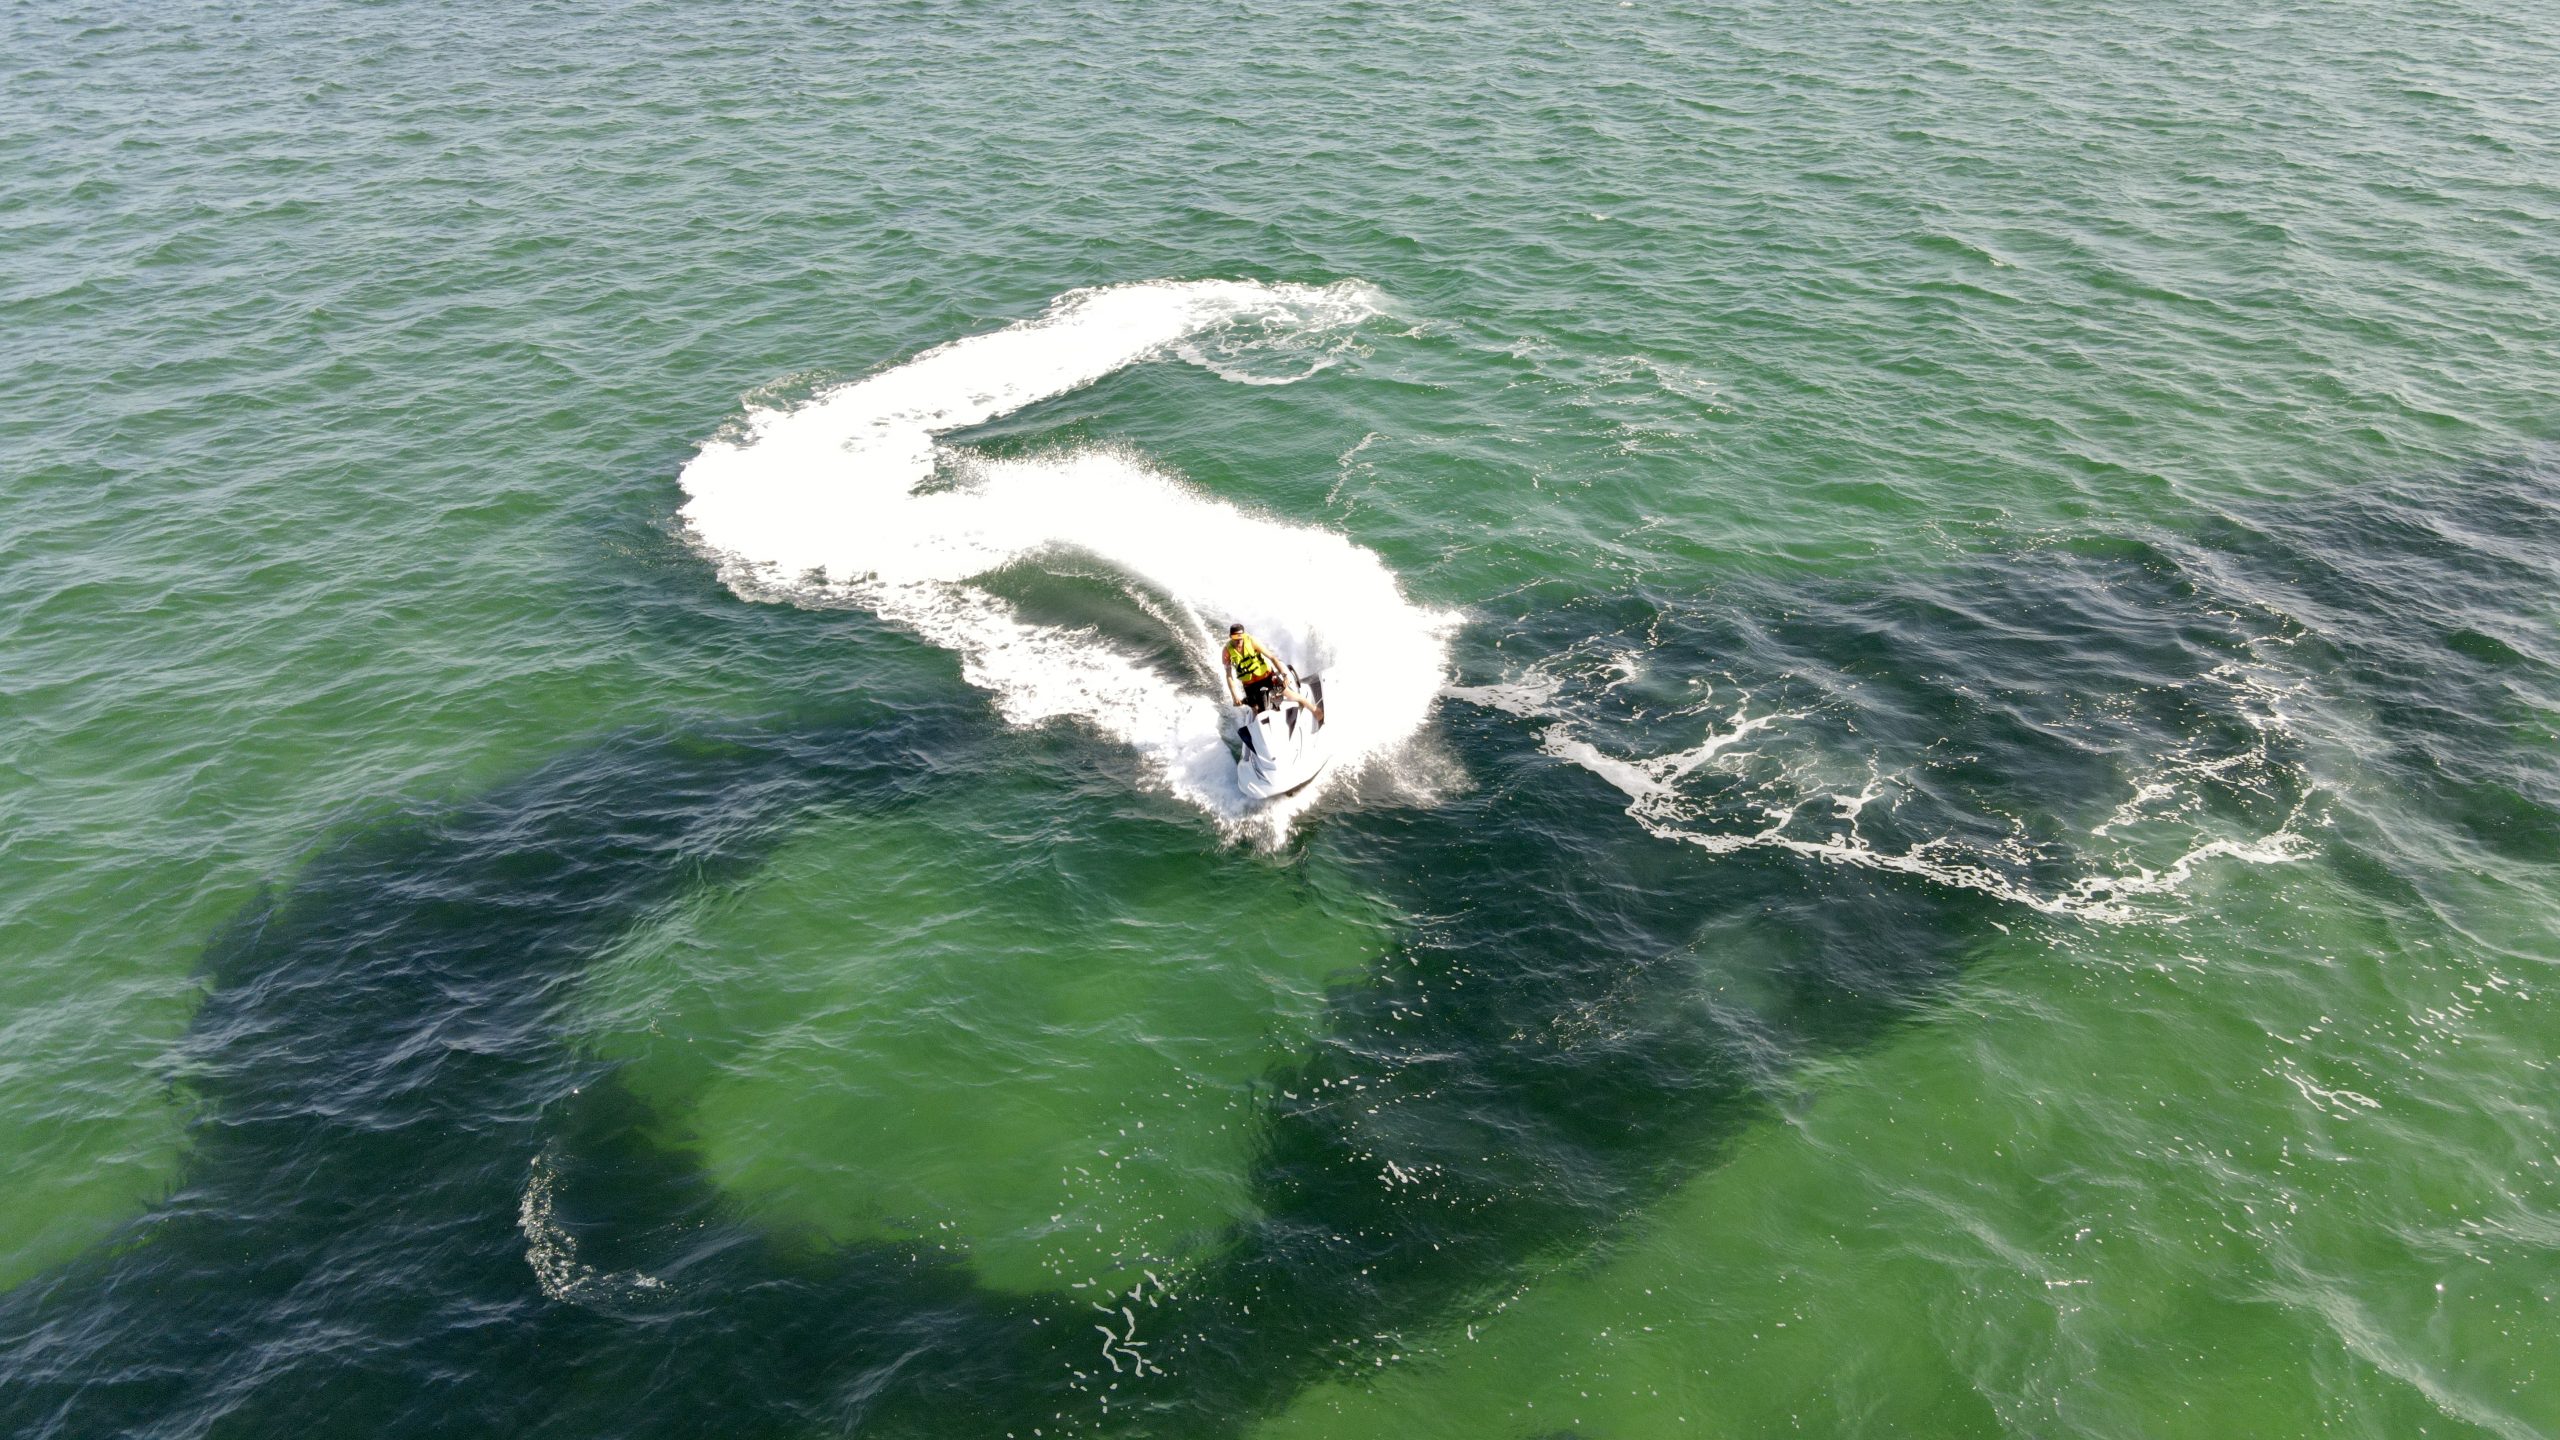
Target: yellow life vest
1247, 658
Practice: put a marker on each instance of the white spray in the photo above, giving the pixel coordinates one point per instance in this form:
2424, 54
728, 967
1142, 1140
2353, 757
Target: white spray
819, 503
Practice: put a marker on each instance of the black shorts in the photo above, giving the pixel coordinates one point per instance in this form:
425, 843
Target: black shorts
1257, 693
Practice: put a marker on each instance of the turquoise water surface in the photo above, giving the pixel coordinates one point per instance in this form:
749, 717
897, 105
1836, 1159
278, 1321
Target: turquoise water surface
1940, 626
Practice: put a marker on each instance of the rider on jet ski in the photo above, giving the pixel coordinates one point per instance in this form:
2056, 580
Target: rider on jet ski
1282, 747
1249, 663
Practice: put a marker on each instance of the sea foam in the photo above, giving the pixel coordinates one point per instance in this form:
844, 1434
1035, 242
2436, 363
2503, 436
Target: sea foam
820, 503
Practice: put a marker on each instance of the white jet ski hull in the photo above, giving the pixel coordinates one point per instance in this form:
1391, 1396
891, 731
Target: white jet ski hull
1283, 748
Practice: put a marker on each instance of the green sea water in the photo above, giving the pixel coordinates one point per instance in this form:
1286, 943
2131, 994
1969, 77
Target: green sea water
1978, 852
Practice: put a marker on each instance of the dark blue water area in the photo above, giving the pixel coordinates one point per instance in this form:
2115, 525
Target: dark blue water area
1577, 1016
2430, 608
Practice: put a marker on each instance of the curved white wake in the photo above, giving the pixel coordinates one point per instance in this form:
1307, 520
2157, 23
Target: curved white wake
820, 503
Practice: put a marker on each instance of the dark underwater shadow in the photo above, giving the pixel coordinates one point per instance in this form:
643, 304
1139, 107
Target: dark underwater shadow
375, 1069
381, 1082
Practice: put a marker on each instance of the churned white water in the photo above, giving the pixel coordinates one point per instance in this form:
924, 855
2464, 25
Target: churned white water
820, 503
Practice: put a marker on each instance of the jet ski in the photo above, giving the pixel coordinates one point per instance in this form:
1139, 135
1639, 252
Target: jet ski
1284, 744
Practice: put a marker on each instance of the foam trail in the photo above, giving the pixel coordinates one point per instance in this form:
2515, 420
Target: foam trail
1656, 801
820, 503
